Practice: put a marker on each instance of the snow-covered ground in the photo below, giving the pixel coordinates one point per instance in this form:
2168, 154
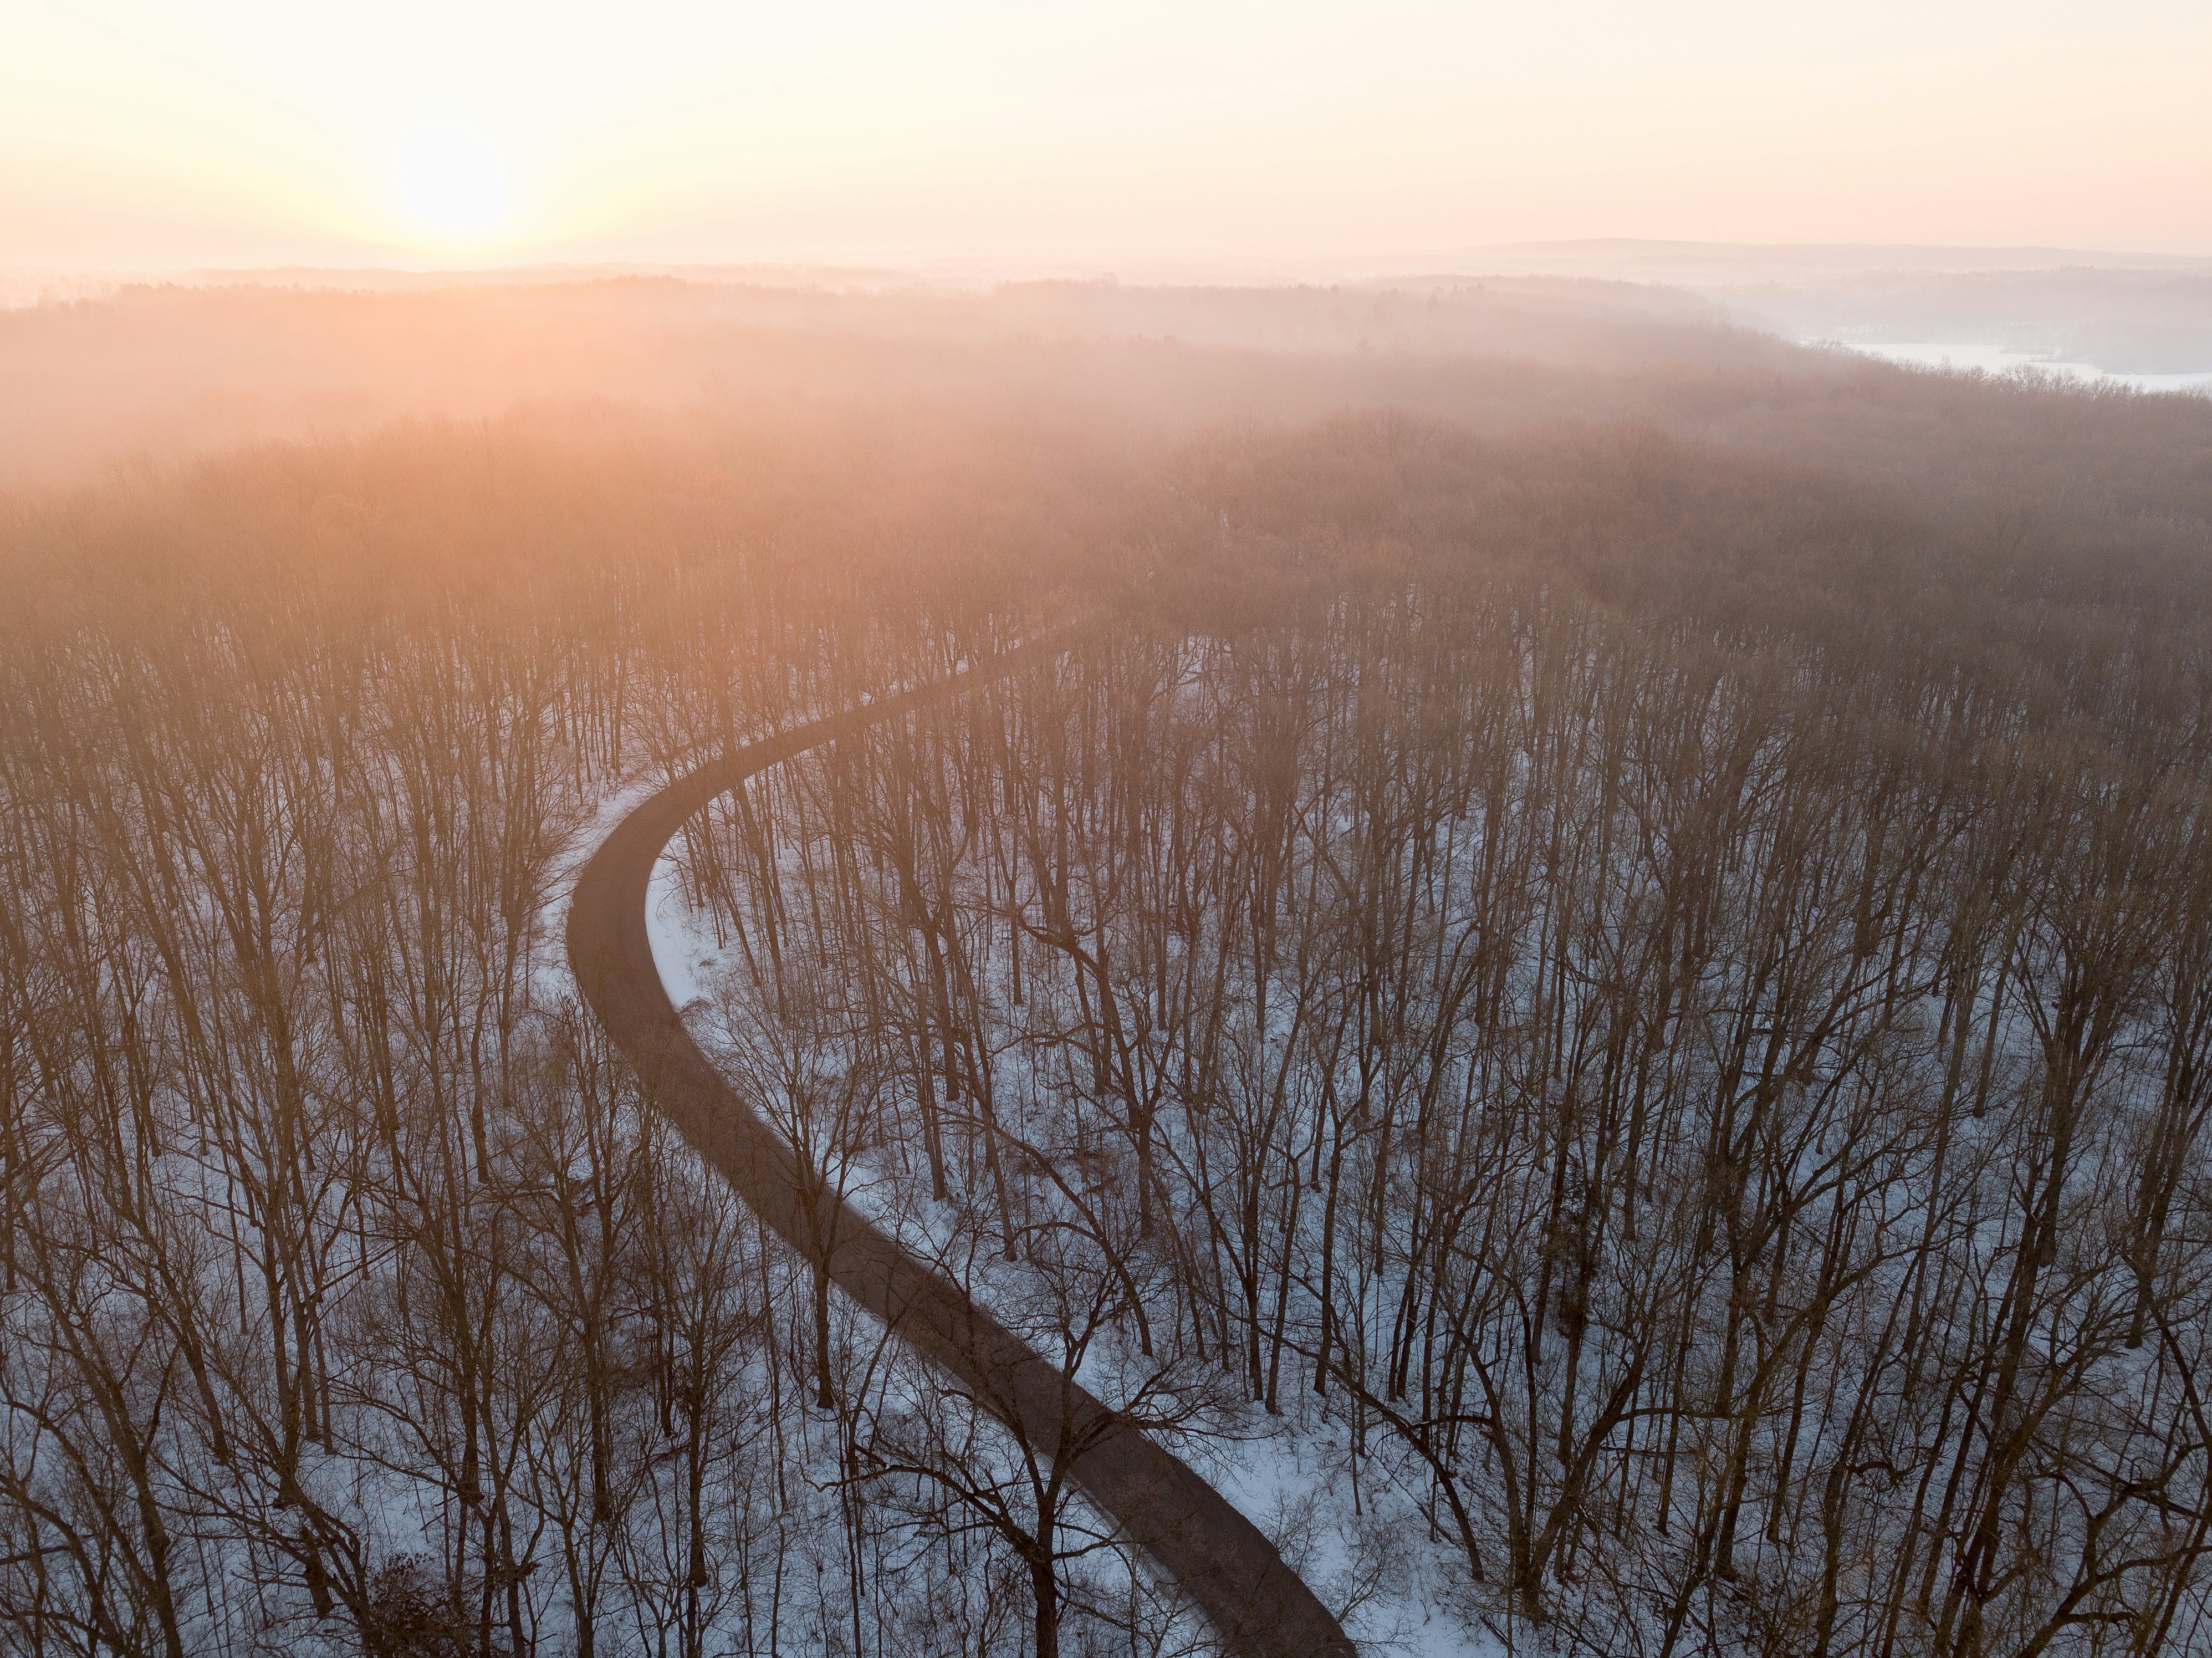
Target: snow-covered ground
880, 997
1362, 1548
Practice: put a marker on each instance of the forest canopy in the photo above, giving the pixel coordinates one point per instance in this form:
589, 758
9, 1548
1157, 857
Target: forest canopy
1578, 970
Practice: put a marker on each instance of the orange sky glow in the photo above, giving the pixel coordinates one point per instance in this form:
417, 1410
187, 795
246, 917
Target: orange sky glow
244, 131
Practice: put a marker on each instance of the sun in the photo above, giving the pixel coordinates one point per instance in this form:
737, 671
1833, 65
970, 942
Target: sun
453, 185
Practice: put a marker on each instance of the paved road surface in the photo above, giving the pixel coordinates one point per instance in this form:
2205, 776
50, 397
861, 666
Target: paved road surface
1261, 1608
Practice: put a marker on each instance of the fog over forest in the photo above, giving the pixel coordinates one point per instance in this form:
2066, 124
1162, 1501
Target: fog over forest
798, 963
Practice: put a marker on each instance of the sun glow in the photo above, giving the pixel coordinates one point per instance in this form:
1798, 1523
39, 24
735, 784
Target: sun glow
453, 185
144, 134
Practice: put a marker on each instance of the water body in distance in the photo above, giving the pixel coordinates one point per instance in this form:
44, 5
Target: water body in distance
1996, 359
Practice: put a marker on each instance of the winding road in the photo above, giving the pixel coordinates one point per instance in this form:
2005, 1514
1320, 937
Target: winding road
1258, 1606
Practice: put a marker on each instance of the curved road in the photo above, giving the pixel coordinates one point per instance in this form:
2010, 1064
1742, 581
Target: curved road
1259, 1606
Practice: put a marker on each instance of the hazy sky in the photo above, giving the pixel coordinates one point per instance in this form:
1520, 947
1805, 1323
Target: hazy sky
148, 132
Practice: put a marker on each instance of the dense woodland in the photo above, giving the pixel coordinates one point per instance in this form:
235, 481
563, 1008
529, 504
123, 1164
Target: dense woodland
1645, 987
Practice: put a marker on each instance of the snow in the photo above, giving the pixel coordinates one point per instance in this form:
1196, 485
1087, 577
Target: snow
1288, 1474
683, 954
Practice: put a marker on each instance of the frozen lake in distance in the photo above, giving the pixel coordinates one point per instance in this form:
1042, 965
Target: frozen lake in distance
1995, 360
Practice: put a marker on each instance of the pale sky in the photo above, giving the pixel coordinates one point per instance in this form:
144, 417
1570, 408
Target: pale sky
463, 132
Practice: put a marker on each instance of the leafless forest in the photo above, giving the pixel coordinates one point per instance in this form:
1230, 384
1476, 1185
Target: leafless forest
1608, 959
